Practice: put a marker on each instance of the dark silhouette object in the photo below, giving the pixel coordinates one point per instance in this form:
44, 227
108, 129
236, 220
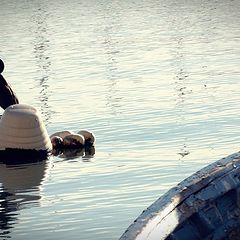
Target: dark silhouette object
7, 96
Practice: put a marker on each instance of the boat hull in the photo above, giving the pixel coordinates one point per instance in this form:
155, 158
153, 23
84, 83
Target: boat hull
204, 206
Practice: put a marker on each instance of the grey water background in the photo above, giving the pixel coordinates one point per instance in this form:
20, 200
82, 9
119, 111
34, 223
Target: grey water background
156, 81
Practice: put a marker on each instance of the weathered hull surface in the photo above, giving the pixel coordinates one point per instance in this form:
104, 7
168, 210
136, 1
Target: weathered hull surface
202, 207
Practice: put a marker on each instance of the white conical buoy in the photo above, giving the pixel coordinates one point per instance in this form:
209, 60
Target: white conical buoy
21, 127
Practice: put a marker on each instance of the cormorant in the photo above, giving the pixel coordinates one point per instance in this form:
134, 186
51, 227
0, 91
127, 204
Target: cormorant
7, 96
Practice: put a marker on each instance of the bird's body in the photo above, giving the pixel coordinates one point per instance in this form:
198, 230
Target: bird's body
7, 96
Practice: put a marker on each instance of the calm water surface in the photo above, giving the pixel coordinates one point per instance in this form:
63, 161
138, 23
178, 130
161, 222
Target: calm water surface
156, 81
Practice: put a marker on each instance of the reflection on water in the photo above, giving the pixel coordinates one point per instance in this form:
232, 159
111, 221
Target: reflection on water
41, 52
72, 153
20, 188
180, 81
111, 49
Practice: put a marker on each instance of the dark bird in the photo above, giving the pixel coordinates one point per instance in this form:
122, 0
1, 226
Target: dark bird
7, 96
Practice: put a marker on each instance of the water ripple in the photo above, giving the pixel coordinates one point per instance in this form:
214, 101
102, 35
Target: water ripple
156, 81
